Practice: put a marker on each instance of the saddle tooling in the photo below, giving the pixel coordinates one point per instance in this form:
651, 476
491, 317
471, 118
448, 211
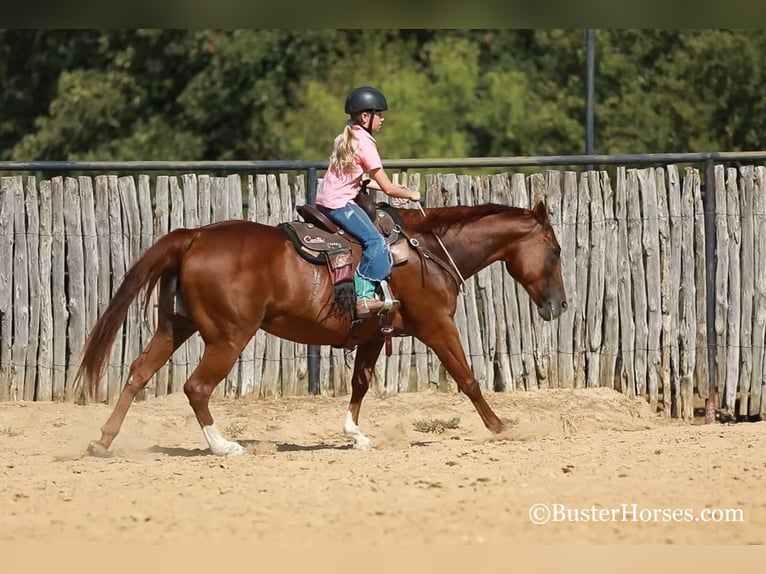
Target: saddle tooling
320, 241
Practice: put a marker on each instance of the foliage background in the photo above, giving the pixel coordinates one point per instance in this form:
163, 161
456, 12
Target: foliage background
278, 94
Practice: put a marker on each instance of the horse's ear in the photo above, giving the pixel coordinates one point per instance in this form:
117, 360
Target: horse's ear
541, 212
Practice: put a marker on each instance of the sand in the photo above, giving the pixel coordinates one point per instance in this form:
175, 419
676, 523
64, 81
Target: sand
608, 470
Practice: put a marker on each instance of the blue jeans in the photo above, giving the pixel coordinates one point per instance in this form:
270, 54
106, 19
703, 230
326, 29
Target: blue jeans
376, 259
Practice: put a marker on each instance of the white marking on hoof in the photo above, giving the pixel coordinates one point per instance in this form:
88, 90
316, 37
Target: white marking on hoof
363, 442
351, 430
220, 446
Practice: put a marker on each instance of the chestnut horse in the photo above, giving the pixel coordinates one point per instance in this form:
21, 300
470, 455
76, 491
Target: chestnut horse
238, 276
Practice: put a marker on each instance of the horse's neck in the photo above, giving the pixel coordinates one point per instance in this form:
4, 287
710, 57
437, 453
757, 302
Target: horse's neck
478, 244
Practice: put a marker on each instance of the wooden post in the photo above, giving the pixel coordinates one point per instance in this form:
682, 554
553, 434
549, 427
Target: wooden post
45, 360
651, 245
569, 263
701, 365
35, 287
757, 403
517, 298
6, 284
667, 335
76, 281
627, 373
721, 279
581, 303
58, 293
733, 331
553, 204
747, 263
611, 319
688, 325
638, 275
20, 291
595, 313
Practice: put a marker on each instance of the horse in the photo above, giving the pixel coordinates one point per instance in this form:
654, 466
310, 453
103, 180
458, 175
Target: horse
236, 277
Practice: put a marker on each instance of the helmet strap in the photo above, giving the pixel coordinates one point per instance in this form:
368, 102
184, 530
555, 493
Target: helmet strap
368, 127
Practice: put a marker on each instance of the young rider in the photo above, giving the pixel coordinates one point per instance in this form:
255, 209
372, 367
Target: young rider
355, 153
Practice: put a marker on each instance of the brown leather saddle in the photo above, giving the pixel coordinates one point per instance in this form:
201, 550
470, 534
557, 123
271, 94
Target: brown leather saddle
320, 241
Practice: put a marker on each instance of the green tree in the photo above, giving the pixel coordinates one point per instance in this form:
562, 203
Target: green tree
116, 100
278, 94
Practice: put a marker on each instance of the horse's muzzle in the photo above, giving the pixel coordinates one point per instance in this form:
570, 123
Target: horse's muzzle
552, 309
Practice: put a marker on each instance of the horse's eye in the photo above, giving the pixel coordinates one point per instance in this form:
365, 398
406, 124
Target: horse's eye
557, 251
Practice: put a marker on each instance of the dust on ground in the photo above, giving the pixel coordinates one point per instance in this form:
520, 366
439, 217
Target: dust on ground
606, 467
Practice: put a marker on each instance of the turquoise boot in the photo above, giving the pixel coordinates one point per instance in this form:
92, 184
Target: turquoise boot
365, 289
366, 303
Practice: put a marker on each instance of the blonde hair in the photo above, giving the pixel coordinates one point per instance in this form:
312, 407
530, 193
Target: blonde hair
343, 156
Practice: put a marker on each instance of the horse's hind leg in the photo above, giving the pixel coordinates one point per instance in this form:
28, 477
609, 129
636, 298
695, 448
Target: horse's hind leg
366, 357
170, 334
216, 362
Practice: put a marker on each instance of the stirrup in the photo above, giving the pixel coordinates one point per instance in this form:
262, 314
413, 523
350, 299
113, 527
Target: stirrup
388, 298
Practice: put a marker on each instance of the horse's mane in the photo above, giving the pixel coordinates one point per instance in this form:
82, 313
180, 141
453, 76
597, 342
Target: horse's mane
441, 219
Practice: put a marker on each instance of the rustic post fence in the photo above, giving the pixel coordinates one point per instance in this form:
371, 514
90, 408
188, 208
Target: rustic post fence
667, 294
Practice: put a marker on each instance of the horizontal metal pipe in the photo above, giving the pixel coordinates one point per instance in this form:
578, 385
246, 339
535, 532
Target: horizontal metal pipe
289, 165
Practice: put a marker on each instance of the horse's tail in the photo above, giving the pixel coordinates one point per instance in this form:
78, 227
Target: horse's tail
161, 258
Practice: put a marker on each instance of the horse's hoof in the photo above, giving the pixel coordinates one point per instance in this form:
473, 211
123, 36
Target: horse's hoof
365, 444
236, 450
230, 449
97, 449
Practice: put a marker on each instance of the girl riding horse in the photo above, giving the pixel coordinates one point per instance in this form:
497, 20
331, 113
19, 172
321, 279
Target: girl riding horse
355, 153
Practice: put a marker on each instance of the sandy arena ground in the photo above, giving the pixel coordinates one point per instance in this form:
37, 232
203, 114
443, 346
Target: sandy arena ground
300, 483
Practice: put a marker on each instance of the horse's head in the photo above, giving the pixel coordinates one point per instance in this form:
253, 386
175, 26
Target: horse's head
535, 262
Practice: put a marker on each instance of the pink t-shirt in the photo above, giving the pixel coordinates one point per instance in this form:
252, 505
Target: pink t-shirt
337, 189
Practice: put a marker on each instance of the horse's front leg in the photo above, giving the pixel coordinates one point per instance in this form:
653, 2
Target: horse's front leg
442, 336
364, 365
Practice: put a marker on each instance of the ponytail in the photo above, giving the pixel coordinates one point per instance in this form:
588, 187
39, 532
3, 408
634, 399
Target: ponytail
344, 155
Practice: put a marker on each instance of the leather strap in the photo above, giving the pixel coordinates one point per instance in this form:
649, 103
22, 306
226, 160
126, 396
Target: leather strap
387, 328
426, 254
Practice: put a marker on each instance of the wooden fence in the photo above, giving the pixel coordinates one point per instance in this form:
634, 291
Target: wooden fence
633, 253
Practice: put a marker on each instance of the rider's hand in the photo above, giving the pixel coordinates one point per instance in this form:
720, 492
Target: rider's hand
399, 201
412, 194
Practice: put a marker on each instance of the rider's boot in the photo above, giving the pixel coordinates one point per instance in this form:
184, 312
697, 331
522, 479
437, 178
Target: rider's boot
367, 304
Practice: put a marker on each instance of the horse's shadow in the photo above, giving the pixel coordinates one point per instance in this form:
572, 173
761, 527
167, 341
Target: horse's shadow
268, 444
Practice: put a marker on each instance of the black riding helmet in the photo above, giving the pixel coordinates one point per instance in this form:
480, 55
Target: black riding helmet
365, 99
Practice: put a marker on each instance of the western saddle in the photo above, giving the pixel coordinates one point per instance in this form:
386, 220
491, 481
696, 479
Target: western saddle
322, 242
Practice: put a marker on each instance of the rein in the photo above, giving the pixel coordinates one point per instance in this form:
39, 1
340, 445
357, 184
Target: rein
452, 268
